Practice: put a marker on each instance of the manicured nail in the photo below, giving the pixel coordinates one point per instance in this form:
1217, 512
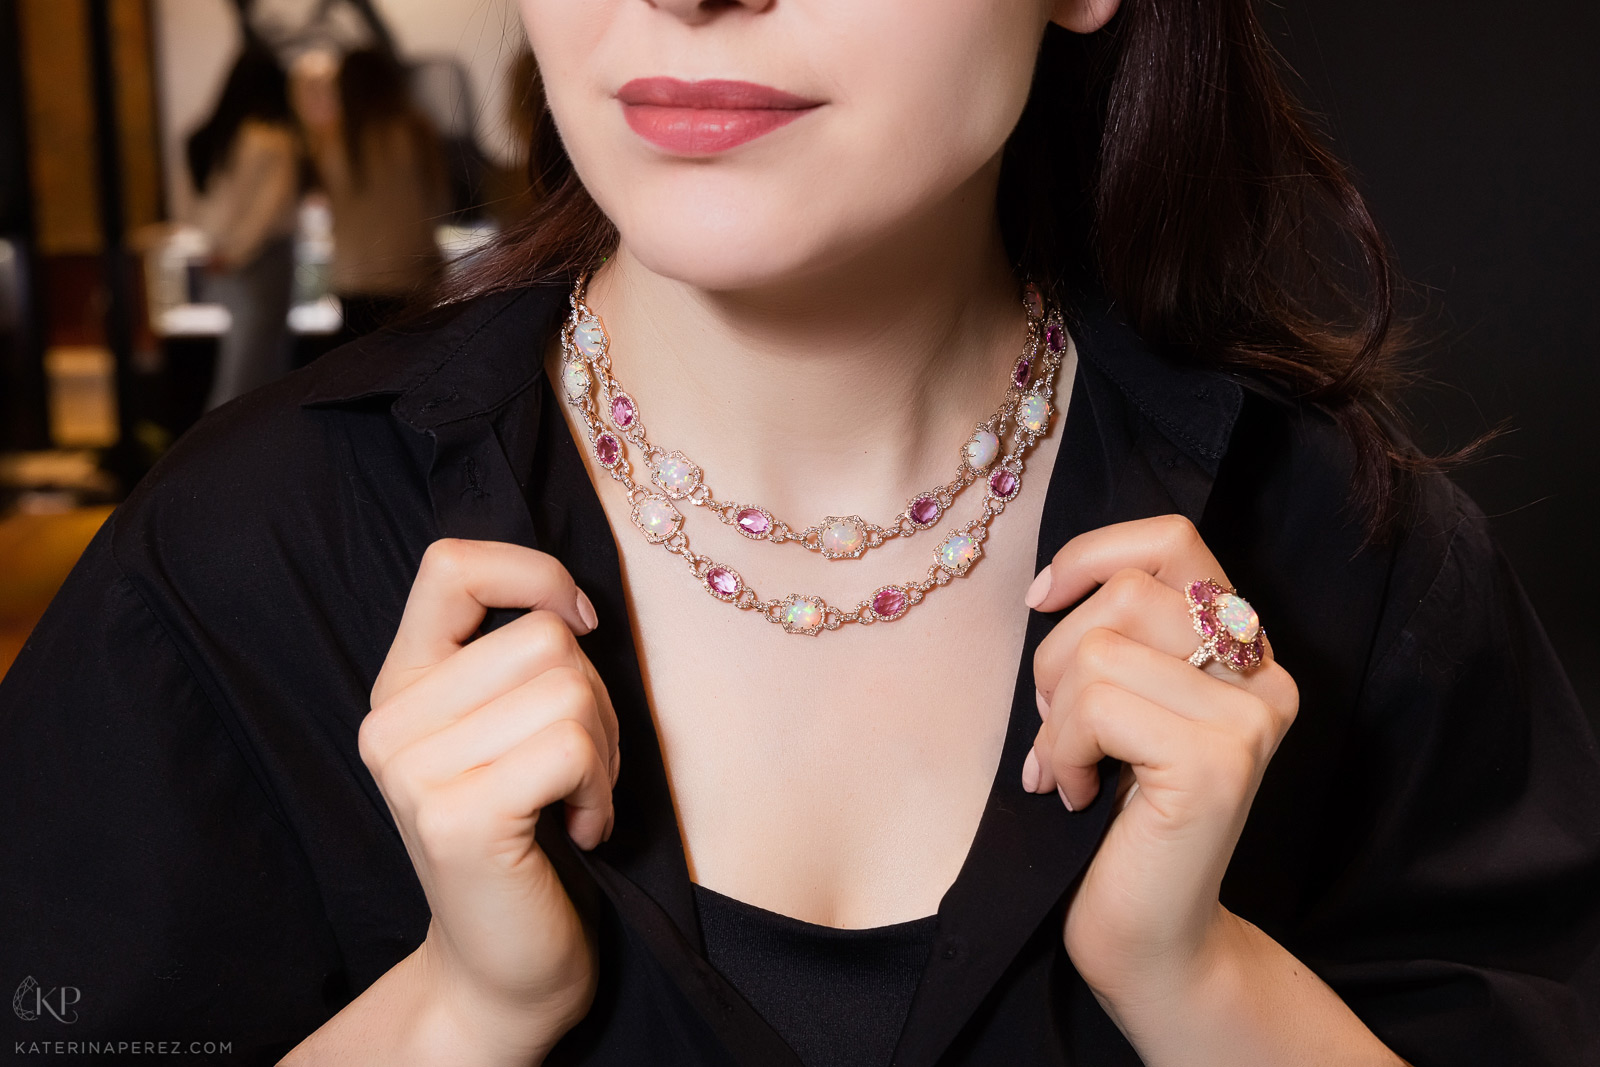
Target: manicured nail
1038, 590
586, 611
1043, 704
1030, 772
1062, 793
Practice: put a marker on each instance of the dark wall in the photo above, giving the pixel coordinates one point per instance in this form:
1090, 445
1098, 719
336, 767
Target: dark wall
1473, 128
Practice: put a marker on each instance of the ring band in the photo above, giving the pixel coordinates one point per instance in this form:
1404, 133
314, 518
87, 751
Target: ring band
1230, 631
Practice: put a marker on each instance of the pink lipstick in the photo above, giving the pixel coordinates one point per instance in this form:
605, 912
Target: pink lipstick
704, 117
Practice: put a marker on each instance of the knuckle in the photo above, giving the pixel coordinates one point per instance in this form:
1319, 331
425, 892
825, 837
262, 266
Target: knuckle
570, 743
1098, 651
548, 635
569, 689
446, 560
1129, 588
1095, 702
1178, 531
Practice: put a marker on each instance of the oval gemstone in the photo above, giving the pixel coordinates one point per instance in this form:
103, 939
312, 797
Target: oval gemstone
1034, 302
676, 475
1019, 373
843, 537
982, 449
1238, 617
925, 510
888, 603
589, 338
957, 552
723, 581
657, 518
754, 522
576, 378
1033, 414
802, 613
1003, 483
1054, 337
622, 411
1201, 591
607, 449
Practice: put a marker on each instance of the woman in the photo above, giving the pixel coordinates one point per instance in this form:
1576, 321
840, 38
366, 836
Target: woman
925, 824
379, 160
245, 164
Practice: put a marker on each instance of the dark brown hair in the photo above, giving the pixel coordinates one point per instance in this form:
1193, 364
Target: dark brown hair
1163, 162
374, 91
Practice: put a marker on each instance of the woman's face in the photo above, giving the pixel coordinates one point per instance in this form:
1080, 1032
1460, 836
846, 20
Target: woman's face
912, 103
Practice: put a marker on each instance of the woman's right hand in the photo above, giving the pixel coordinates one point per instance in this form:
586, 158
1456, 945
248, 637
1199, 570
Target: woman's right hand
469, 740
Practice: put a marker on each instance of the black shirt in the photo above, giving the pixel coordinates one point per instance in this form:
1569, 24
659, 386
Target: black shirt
190, 840
838, 997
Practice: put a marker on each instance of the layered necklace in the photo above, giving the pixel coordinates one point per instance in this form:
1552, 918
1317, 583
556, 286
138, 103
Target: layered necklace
612, 423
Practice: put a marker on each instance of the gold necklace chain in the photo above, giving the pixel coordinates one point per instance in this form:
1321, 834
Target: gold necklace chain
585, 349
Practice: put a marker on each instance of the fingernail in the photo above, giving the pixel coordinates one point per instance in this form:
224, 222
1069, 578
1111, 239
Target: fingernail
1044, 705
1038, 590
586, 611
1062, 793
1030, 771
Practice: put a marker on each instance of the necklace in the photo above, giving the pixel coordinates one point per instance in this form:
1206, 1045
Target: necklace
585, 349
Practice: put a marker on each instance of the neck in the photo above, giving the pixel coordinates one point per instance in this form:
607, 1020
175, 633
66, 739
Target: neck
847, 390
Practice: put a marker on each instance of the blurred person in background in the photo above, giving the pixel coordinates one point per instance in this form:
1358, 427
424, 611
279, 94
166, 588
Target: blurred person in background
377, 157
246, 161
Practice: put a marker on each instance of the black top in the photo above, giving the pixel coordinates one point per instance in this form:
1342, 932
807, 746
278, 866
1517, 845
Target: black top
838, 997
190, 840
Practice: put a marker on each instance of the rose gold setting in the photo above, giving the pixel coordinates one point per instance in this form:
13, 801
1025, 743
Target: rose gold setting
805, 613
1216, 642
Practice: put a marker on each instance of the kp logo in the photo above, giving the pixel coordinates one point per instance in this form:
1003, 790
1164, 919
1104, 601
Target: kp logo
33, 1000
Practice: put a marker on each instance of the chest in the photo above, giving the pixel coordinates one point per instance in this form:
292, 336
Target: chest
838, 778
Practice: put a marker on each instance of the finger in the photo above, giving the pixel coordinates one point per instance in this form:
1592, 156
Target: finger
559, 762
492, 665
1133, 603
1166, 546
459, 580
492, 730
1110, 721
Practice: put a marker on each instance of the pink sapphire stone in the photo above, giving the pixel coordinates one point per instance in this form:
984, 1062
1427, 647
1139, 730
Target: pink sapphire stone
1208, 625
1003, 483
752, 521
722, 580
925, 510
607, 449
1019, 376
1053, 338
1201, 591
622, 412
888, 603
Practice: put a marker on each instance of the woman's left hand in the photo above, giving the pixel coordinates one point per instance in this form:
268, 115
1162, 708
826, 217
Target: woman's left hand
1114, 680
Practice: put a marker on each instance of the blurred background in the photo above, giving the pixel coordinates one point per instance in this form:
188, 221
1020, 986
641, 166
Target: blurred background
199, 195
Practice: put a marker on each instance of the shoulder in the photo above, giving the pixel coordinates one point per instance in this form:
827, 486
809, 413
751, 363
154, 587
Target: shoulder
325, 467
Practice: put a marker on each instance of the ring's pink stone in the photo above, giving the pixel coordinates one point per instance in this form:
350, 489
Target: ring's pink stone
1019, 373
1201, 591
1033, 301
607, 449
925, 510
1238, 617
1054, 337
888, 603
723, 581
622, 411
1003, 483
1208, 625
754, 522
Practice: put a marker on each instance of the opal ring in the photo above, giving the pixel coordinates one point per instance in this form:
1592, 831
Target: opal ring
1230, 631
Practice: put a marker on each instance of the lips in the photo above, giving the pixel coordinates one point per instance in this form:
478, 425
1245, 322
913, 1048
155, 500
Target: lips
706, 117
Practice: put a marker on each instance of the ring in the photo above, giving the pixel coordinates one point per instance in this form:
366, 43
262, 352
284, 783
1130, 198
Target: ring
1230, 631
